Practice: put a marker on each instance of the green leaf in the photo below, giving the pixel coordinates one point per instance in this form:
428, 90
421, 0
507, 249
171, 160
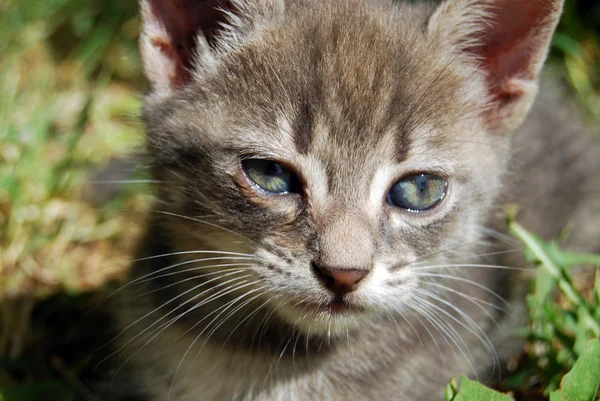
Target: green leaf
544, 284
451, 390
569, 259
583, 381
581, 332
474, 391
541, 250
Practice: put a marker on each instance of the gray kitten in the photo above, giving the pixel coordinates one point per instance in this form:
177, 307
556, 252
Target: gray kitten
332, 181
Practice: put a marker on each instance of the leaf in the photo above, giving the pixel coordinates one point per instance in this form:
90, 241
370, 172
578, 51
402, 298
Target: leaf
583, 381
569, 259
451, 390
581, 333
538, 248
474, 391
544, 284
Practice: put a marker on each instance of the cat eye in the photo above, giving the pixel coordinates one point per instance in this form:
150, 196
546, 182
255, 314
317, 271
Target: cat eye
271, 176
417, 193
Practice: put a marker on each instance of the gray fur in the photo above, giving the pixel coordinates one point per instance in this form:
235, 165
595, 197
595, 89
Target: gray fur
353, 95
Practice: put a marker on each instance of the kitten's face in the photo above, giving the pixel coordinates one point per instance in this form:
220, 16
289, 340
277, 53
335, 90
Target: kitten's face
305, 145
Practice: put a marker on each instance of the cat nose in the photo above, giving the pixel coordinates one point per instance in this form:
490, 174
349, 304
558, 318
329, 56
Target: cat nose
340, 281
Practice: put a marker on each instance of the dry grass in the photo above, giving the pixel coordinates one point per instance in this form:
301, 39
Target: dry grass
60, 121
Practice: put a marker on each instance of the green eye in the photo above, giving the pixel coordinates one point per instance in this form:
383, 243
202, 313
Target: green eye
271, 176
418, 192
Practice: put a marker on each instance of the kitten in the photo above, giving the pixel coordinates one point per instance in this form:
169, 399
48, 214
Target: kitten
332, 181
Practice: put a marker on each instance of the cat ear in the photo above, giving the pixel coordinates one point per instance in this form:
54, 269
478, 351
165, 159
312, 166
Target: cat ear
180, 36
507, 40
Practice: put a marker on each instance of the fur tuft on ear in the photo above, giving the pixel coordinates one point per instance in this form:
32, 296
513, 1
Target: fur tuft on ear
507, 40
180, 36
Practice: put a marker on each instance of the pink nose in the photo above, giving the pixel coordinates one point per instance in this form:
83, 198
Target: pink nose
339, 280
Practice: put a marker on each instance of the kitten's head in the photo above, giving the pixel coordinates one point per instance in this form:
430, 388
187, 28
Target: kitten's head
338, 143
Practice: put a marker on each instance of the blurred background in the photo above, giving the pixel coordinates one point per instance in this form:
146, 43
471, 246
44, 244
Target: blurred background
70, 94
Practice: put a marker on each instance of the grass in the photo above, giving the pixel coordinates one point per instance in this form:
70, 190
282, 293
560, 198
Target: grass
64, 112
563, 333
70, 93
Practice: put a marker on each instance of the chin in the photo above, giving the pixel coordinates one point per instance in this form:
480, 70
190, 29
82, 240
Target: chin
332, 318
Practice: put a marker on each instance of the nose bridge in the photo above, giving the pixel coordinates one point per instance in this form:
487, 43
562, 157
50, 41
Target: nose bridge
346, 241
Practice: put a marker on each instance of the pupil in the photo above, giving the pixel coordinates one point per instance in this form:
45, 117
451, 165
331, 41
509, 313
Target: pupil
422, 183
274, 169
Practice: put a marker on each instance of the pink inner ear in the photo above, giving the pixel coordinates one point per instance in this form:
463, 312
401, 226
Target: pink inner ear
513, 41
184, 20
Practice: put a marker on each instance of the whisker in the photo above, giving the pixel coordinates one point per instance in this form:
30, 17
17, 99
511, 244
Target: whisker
125, 182
192, 269
133, 282
298, 339
451, 333
390, 316
419, 309
498, 235
249, 316
475, 300
120, 334
409, 325
476, 330
233, 312
434, 255
190, 253
227, 290
283, 350
262, 325
224, 307
167, 324
483, 266
204, 222
480, 255
464, 280
195, 277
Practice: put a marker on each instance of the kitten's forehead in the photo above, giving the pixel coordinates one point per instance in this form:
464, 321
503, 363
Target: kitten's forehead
342, 85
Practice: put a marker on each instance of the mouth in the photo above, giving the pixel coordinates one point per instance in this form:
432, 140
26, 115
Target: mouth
335, 307
331, 316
